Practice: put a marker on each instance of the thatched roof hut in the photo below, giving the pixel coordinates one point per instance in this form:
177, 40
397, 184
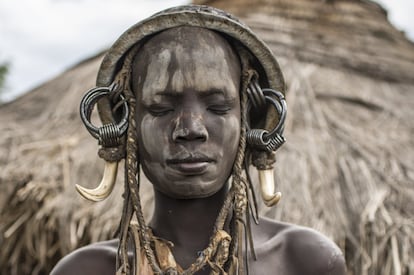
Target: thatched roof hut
346, 170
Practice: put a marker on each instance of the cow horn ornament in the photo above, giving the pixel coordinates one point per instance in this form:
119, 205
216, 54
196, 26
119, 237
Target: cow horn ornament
261, 59
105, 187
267, 187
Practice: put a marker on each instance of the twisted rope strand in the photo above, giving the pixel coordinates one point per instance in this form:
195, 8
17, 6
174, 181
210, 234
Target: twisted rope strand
126, 217
132, 170
133, 182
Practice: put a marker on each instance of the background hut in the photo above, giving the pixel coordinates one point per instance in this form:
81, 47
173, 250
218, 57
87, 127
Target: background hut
346, 170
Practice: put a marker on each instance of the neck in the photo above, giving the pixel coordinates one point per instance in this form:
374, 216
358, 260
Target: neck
188, 223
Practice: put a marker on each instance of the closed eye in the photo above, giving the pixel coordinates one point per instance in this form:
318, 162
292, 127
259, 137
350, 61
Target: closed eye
160, 110
219, 109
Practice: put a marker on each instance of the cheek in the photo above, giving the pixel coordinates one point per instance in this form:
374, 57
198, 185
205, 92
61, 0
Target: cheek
152, 139
232, 134
227, 132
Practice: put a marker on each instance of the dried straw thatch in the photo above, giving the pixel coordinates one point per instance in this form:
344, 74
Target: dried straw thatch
347, 169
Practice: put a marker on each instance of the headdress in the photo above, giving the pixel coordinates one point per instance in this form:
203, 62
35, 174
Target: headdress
263, 115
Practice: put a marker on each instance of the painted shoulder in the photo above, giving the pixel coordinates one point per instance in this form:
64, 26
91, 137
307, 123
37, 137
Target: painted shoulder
300, 250
98, 258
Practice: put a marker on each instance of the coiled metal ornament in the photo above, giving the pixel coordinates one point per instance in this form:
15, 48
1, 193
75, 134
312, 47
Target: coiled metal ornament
108, 135
260, 138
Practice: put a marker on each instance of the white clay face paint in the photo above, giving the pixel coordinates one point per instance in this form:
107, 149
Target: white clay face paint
198, 69
179, 65
230, 134
157, 75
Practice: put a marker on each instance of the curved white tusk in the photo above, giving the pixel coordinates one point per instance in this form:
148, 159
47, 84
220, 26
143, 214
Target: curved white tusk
267, 187
105, 187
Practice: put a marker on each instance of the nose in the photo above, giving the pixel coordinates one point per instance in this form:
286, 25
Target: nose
189, 127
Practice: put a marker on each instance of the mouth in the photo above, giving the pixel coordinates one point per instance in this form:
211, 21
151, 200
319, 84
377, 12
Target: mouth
190, 165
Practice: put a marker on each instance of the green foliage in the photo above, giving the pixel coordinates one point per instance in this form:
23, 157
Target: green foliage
4, 69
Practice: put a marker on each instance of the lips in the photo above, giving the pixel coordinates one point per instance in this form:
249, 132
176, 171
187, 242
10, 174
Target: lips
190, 163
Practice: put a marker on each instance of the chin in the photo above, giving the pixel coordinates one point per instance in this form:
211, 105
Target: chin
189, 193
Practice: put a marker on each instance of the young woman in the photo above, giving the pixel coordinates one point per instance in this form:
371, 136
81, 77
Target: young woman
193, 98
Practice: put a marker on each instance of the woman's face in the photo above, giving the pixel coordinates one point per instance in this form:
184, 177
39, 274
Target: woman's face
187, 84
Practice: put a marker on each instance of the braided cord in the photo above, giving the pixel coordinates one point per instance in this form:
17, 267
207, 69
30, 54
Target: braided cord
238, 185
133, 174
132, 199
127, 212
133, 182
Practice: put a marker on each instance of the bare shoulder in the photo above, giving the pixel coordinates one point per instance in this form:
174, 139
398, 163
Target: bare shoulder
291, 249
98, 258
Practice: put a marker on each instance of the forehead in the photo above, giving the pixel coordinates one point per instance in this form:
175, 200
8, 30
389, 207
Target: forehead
185, 59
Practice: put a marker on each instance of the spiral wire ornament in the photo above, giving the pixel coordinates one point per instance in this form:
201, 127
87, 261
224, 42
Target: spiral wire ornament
108, 135
261, 138
255, 94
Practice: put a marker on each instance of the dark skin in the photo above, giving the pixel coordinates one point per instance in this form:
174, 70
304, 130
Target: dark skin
193, 111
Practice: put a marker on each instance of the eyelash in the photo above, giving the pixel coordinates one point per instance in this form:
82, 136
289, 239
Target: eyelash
219, 109
159, 110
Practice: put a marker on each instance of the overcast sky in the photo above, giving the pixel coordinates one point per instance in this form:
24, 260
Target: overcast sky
40, 39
